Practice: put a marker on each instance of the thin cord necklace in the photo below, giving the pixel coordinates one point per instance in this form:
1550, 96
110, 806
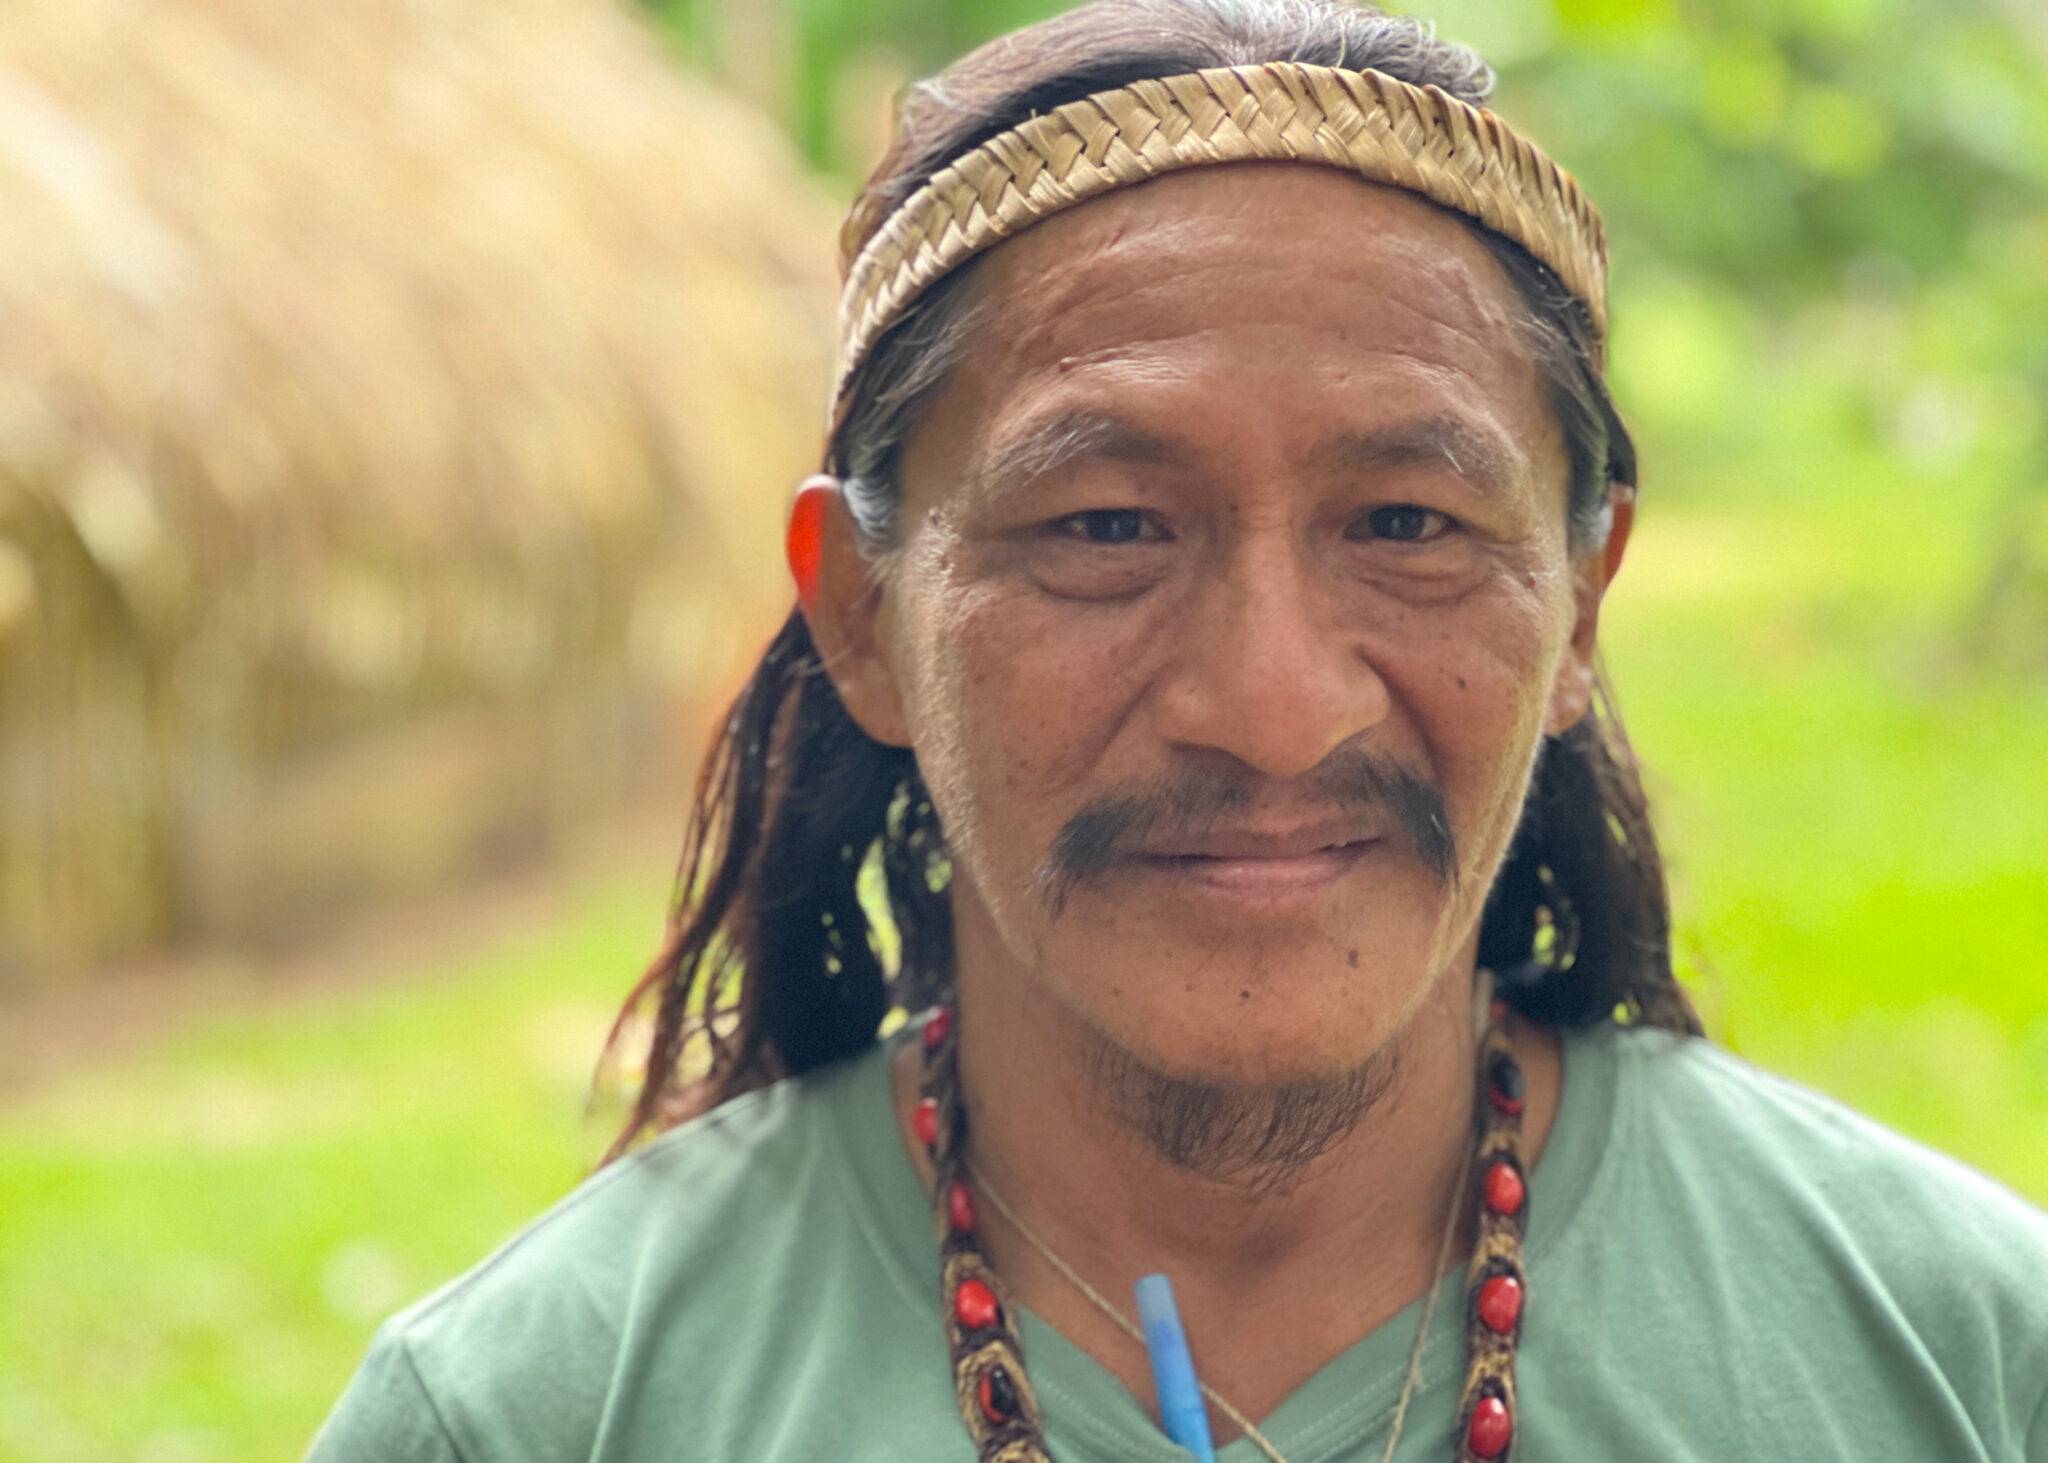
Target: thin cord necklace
996, 1400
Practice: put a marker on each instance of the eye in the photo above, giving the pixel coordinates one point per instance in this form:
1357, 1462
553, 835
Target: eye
1407, 523
1102, 526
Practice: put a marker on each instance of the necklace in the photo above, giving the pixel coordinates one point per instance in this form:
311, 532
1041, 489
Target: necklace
997, 1402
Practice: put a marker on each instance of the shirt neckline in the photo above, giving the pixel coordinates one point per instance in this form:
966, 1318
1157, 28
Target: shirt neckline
1351, 1397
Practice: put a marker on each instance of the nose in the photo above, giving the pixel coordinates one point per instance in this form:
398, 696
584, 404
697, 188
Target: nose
1265, 668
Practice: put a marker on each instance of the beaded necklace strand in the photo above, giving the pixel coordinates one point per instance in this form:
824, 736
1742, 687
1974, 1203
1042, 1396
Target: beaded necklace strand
995, 1397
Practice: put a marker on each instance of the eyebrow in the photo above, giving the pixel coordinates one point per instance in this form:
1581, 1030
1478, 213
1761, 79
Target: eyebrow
1478, 454
1011, 466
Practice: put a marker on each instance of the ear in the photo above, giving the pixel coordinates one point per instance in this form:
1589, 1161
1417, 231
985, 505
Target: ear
1571, 693
841, 600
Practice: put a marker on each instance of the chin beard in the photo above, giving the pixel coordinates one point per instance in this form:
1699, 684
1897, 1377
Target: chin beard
1259, 1136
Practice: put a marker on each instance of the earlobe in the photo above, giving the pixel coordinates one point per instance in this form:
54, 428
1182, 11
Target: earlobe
841, 603
1571, 695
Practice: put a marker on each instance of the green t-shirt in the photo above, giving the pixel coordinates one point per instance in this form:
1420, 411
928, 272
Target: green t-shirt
1721, 1266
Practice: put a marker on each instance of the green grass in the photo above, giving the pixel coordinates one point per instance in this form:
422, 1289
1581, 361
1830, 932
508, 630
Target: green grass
196, 1241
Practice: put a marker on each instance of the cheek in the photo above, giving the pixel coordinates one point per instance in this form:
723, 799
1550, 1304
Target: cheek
1480, 695
1011, 712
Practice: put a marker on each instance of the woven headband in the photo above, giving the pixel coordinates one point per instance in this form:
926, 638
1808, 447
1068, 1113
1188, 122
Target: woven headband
1415, 137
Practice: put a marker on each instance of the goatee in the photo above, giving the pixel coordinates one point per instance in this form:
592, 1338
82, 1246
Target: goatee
1258, 1136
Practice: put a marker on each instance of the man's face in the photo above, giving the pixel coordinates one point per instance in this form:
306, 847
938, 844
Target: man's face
1232, 601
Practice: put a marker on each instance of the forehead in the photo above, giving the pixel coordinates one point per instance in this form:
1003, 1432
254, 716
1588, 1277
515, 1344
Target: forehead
1279, 294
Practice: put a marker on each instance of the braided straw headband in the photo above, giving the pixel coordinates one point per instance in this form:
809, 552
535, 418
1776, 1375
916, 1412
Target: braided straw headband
1415, 137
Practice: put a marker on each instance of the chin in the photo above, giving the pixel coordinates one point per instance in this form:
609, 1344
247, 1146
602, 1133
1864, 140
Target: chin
1242, 1023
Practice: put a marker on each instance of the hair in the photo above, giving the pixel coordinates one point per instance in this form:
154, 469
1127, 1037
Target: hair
773, 963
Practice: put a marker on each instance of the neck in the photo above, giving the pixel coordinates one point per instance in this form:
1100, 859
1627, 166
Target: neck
1275, 1274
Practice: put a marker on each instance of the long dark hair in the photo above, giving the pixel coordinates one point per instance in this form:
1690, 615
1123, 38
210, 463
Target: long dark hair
775, 959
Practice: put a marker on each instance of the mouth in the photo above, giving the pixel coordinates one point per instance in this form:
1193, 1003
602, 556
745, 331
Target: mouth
1274, 883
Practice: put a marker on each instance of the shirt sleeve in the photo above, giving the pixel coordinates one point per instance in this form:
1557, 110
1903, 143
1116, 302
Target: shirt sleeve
385, 1416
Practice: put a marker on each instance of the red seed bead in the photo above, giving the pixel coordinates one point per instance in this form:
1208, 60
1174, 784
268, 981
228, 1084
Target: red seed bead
1491, 1428
925, 1122
1504, 1191
960, 1207
938, 1027
1500, 1304
974, 1305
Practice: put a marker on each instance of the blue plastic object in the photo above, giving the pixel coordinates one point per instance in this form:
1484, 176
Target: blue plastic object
1173, 1369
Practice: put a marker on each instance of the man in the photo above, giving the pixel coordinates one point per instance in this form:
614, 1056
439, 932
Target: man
1196, 636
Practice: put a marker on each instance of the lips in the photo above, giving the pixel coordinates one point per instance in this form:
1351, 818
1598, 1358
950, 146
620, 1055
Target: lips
1240, 845
1262, 874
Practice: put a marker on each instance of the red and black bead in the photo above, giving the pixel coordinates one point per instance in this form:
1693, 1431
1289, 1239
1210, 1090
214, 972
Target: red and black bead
925, 1122
997, 1395
1491, 1428
937, 1028
1504, 1087
975, 1306
960, 1207
1500, 1303
1504, 1188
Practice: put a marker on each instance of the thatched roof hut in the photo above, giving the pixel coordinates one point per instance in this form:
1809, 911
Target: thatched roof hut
397, 405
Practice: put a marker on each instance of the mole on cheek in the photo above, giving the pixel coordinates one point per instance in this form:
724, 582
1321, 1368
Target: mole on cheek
1351, 958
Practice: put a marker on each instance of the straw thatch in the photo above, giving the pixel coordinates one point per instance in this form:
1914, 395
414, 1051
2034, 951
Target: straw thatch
397, 403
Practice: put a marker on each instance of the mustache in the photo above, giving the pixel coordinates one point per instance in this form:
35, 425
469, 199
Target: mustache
1357, 784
